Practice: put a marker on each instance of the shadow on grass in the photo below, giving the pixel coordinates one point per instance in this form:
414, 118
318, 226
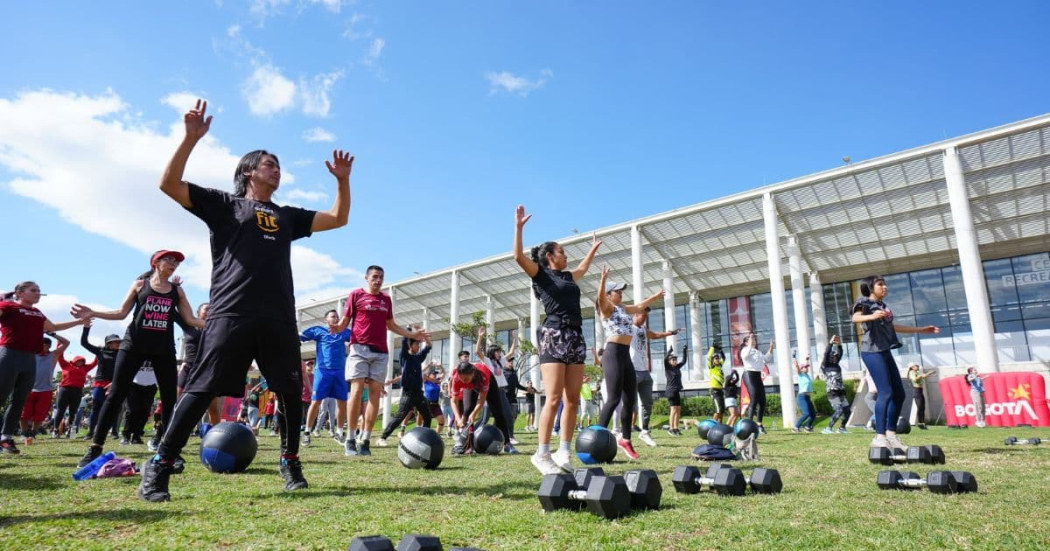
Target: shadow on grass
134, 515
522, 491
15, 482
993, 451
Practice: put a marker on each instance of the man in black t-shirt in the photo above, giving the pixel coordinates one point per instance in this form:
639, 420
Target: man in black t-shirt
252, 305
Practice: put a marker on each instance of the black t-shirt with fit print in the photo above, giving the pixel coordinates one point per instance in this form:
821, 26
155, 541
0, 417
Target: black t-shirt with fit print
251, 247
560, 295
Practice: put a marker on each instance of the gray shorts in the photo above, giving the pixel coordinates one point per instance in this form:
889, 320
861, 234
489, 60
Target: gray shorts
363, 363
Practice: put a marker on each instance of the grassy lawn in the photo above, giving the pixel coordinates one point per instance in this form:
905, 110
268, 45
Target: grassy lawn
830, 500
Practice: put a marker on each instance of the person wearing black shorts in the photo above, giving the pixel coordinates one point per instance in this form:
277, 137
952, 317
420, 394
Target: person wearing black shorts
252, 305
673, 370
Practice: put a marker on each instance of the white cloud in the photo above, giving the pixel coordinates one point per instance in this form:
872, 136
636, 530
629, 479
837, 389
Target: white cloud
296, 194
261, 9
318, 135
333, 6
315, 93
268, 92
374, 51
56, 308
353, 27
506, 81
76, 153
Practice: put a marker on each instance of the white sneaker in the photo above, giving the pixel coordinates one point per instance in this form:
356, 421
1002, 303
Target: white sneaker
306, 438
513, 442
894, 442
545, 464
563, 459
317, 433
647, 438
381, 442
880, 441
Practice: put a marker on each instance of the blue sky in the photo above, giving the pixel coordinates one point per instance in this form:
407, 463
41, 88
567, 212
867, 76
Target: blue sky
589, 113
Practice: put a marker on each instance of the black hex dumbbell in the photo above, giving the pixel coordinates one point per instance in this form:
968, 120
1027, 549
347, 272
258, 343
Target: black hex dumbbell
965, 481
411, 542
724, 480
929, 455
1014, 441
938, 482
761, 481
645, 489
605, 496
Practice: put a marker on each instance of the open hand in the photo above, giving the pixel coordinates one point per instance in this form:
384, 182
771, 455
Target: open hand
595, 242
520, 218
81, 312
341, 165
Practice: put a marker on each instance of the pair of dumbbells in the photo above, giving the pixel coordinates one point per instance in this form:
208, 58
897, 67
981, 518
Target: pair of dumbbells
929, 455
725, 480
938, 482
411, 542
1014, 441
608, 497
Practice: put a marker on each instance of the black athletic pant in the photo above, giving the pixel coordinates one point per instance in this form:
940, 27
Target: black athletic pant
920, 406
495, 400
68, 398
757, 391
191, 408
410, 400
137, 408
622, 386
127, 365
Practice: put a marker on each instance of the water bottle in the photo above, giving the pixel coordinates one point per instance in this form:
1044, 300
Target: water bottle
91, 469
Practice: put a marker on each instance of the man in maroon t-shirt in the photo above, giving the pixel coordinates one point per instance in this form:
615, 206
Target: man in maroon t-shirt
369, 314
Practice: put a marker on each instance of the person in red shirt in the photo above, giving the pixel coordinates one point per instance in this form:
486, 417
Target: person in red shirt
22, 329
479, 379
369, 314
71, 388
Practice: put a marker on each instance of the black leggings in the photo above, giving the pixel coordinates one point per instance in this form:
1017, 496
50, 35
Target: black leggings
757, 391
495, 398
192, 405
68, 398
622, 386
409, 400
127, 365
920, 406
137, 408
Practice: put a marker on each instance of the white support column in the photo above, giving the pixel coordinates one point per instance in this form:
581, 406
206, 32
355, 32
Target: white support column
453, 319
636, 264
970, 264
534, 336
426, 319
659, 376
490, 318
798, 299
699, 372
389, 358
820, 321
780, 321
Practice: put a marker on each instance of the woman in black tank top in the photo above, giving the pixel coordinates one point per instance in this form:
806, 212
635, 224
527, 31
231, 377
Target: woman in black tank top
150, 336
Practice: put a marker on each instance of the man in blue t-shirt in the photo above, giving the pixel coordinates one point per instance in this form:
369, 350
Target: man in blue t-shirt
329, 381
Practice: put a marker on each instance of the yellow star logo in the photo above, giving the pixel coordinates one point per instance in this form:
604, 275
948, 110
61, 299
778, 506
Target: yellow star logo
1021, 392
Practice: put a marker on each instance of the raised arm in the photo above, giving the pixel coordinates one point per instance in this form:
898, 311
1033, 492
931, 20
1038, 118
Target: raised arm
63, 343
83, 312
929, 329
51, 327
414, 335
186, 311
585, 264
605, 306
336, 217
478, 348
526, 263
641, 306
96, 350
171, 182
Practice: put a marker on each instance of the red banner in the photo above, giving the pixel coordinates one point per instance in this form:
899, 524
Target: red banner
739, 326
1010, 399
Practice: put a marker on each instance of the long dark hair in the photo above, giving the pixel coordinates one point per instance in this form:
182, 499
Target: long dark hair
247, 164
490, 353
539, 253
743, 343
867, 285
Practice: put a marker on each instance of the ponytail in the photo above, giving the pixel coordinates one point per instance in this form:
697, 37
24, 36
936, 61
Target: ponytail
539, 253
148, 274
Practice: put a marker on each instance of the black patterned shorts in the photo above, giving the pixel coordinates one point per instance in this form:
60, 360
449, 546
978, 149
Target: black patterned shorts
562, 345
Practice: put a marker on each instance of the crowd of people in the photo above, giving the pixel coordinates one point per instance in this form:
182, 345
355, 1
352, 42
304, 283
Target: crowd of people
249, 323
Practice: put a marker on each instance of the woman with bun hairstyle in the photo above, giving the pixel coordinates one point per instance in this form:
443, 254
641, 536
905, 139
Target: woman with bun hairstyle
880, 338
562, 347
150, 337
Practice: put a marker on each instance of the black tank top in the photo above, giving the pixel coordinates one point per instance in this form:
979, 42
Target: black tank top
152, 330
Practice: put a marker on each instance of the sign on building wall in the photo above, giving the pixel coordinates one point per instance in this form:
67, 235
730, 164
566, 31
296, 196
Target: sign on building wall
1040, 274
1010, 399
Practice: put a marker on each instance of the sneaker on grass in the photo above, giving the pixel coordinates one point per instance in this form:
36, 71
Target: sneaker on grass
364, 449
827, 430
155, 476
381, 443
306, 438
879, 441
351, 447
627, 448
545, 464
92, 453
292, 471
563, 459
8, 446
647, 438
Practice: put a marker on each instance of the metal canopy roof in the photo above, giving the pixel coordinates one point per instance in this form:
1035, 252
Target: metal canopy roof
889, 214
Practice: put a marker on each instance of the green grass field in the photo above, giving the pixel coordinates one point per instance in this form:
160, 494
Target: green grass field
830, 500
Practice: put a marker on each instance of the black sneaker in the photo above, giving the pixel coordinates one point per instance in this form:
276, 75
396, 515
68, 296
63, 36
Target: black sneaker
364, 450
8, 446
154, 485
124, 440
92, 453
292, 471
137, 440
178, 465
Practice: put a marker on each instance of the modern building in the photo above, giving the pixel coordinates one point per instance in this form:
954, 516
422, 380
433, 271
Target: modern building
959, 229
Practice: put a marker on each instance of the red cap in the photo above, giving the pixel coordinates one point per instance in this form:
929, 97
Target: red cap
162, 253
